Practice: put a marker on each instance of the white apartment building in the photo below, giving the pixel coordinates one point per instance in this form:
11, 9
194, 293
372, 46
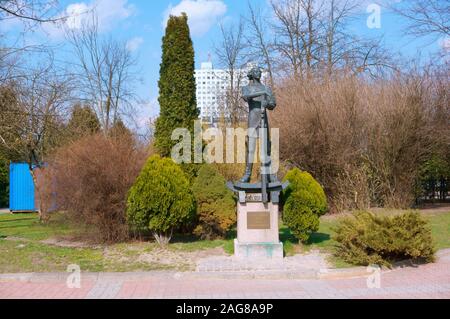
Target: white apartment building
212, 85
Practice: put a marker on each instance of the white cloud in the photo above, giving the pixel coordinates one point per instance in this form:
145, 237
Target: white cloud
444, 43
202, 14
108, 13
111, 11
76, 14
134, 44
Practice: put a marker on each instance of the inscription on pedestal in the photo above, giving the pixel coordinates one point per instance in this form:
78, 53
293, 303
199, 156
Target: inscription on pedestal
253, 198
258, 220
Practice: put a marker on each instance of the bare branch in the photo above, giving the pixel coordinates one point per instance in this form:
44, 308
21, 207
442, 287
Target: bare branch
259, 43
38, 11
231, 55
426, 17
105, 69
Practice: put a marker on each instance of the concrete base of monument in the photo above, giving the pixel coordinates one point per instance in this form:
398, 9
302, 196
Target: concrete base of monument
306, 266
258, 250
257, 231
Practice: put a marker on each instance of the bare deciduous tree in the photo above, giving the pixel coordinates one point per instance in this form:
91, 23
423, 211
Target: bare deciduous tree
230, 53
368, 57
30, 14
31, 118
8, 62
312, 36
105, 69
35, 11
289, 34
259, 42
335, 38
426, 17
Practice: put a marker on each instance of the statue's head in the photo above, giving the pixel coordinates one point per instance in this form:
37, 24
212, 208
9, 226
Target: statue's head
254, 73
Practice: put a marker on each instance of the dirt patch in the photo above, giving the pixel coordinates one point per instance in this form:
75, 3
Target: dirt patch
438, 208
166, 256
68, 243
12, 238
181, 260
135, 256
187, 260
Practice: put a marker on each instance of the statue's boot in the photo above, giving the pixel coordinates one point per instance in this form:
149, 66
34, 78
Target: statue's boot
251, 148
248, 173
267, 169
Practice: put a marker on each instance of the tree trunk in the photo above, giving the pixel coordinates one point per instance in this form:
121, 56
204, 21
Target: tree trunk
163, 238
41, 213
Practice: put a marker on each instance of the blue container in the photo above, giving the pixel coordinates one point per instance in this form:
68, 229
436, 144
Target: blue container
21, 188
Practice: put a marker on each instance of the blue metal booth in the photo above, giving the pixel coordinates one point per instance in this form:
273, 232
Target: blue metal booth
21, 188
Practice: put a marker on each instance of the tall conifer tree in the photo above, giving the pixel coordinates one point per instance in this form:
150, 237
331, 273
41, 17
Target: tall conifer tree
177, 97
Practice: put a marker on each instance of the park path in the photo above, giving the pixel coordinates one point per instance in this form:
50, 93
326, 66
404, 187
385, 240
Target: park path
421, 281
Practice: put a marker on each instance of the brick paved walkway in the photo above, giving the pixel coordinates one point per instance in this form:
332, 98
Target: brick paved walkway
424, 281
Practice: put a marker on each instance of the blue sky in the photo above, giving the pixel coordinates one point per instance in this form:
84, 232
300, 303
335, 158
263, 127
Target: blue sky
141, 24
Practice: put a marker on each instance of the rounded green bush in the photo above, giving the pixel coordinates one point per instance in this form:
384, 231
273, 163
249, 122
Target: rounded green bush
304, 202
160, 199
215, 204
300, 181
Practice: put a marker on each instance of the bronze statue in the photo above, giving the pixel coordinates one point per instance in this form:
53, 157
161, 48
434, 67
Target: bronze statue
259, 98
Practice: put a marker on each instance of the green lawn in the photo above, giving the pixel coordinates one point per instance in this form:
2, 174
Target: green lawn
25, 256
22, 249
319, 240
440, 227
322, 239
27, 226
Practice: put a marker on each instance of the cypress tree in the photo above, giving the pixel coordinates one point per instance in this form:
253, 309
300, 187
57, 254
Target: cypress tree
177, 97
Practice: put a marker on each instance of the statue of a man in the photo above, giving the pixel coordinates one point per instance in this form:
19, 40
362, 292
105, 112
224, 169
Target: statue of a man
259, 98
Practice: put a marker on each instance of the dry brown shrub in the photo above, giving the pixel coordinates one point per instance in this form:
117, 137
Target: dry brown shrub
235, 171
90, 179
363, 140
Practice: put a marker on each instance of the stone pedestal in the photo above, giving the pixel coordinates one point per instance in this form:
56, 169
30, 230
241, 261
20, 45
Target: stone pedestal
257, 231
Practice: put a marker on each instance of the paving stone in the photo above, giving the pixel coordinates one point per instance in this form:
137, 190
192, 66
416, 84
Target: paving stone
421, 281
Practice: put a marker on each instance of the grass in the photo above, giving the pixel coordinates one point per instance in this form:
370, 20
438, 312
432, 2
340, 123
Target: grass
22, 249
27, 226
191, 243
322, 239
440, 228
25, 256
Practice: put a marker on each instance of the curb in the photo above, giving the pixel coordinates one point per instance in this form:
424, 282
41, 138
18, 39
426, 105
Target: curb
87, 276
257, 274
305, 274
226, 275
354, 272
